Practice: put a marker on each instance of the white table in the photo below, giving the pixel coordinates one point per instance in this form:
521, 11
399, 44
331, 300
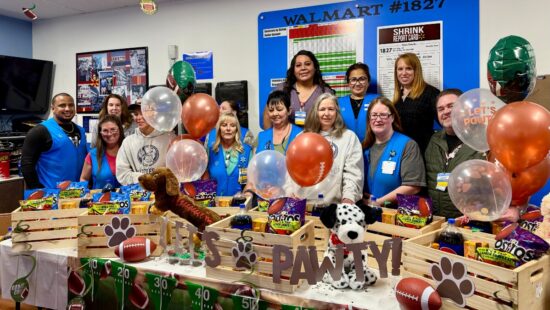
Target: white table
48, 283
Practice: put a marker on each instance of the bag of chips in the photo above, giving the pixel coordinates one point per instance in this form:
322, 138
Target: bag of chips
521, 243
70, 189
136, 192
202, 191
109, 203
286, 215
413, 211
40, 199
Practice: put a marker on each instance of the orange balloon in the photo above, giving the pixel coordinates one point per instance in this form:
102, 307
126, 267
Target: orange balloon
529, 181
519, 135
200, 114
309, 159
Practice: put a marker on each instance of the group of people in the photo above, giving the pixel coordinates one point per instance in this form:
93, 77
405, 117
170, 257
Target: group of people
381, 147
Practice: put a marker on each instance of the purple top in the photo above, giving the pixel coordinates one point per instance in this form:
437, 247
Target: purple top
295, 100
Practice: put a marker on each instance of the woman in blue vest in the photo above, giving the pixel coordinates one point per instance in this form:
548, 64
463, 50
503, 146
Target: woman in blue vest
354, 106
282, 132
228, 156
100, 164
229, 106
393, 162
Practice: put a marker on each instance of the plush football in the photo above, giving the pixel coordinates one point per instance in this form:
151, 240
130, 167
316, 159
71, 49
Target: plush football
135, 249
531, 215
417, 294
505, 231
138, 297
424, 207
76, 283
276, 206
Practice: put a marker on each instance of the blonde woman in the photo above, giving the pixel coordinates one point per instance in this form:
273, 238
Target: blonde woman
414, 99
228, 157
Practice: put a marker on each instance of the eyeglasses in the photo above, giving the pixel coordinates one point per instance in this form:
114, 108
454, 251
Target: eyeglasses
109, 132
362, 80
382, 116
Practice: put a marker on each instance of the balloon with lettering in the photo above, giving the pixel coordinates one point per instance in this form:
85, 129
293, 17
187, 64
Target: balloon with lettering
161, 108
471, 114
511, 69
181, 79
480, 189
187, 159
200, 114
519, 135
267, 173
309, 159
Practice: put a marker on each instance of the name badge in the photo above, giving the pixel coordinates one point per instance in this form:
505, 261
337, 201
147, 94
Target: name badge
388, 167
300, 117
442, 181
242, 176
366, 106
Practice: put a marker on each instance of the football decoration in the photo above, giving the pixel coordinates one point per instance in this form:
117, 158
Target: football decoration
37, 194
417, 294
76, 283
505, 231
424, 207
276, 206
135, 249
138, 296
63, 185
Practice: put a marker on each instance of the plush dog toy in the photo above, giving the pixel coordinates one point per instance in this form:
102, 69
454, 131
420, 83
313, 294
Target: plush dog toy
347, 224
165, 185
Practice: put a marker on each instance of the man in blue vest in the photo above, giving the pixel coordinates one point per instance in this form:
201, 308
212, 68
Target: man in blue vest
54, 150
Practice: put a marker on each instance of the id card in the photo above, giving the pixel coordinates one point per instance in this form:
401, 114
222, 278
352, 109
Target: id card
243, 179
300, 117
388, 166
442, 181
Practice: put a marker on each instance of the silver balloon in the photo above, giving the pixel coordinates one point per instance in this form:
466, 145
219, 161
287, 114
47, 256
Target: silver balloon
161, 108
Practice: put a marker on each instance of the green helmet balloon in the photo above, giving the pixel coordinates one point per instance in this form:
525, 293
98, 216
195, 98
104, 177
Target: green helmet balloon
181, 78
511, 69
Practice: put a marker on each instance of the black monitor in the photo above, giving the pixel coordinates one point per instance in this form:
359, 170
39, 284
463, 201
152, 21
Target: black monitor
203, 88
234, 90
25, 85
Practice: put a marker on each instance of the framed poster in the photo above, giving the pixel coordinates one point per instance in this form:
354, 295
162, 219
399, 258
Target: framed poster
123, 71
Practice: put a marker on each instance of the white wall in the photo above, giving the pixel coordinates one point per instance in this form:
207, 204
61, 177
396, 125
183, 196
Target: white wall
229, 29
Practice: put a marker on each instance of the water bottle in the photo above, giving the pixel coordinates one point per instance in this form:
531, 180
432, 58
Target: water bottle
318, 205
242, 220
451, 240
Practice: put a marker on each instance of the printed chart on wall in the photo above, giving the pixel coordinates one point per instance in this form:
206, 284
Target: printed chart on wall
423, 39
336, 46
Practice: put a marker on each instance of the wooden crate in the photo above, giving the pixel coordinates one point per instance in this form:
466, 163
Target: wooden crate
380, 232
95, 245
525, 287
321, 234
263, 245
47, 229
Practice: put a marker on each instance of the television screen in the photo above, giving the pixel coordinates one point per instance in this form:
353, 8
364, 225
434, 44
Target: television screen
25, 85
234, 90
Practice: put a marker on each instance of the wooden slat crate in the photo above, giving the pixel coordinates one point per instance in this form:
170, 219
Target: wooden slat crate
321, 235
380, 232
525, 287
95, 245
263, 245
48, 229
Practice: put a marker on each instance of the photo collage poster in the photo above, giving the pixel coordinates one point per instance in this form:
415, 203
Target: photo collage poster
123, 72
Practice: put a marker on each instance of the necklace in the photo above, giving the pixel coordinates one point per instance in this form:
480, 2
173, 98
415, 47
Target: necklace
287, 132
68, 132
227, 156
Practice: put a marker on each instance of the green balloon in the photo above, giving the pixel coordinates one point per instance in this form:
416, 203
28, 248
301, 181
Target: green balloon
511, 69
181, 77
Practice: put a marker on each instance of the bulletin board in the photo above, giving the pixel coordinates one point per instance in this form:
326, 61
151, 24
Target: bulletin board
443, 33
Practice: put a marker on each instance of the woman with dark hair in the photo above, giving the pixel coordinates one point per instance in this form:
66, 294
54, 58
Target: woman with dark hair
354, 106
303, 85
228, 156
282, 132
414, 99
100, 163
344, 182
116, 105
393, 162
230, 106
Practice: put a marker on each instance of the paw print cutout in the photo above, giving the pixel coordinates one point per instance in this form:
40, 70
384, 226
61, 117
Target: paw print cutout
119, 230
452, 281
244, 256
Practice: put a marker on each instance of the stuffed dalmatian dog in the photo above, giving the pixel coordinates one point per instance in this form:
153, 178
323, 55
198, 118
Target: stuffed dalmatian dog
347, 224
